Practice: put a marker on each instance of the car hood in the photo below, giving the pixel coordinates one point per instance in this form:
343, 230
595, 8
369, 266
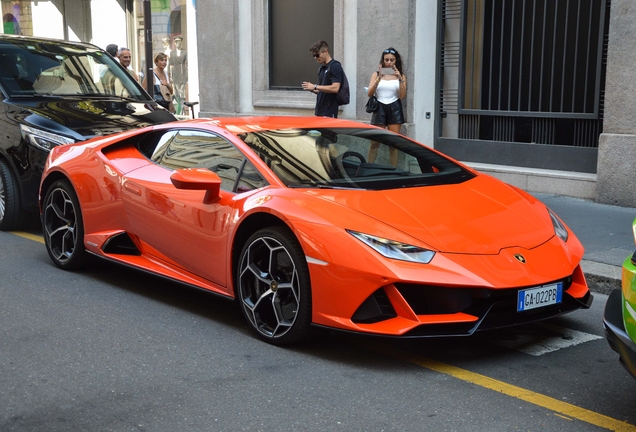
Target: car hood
83, 118
479, 216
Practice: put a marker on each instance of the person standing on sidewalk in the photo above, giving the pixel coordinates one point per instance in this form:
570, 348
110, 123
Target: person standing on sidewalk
330, 78
125, 58
389, 88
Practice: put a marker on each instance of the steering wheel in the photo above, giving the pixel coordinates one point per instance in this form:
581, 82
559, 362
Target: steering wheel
340, 165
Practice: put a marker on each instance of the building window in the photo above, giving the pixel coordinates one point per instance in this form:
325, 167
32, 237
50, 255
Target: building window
533, 58
293, 27
273, 87
174, 34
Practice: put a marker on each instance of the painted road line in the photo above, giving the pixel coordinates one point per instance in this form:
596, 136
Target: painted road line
26, 235
545, 338
554, 405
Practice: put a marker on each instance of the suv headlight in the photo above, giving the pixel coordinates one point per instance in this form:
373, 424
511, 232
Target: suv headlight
559, 229
42, 139
394, 249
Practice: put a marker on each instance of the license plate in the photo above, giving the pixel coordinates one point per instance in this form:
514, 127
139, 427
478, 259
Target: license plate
533, 298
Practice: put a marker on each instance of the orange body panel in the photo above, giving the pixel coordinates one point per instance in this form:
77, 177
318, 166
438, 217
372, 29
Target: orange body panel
475, 228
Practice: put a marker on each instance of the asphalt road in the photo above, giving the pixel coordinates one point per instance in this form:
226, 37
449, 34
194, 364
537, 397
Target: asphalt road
112, 349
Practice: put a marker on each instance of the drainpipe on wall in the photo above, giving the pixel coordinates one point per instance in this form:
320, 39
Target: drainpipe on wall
148, 49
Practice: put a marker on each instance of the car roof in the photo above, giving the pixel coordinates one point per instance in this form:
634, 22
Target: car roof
238, 125
37, 39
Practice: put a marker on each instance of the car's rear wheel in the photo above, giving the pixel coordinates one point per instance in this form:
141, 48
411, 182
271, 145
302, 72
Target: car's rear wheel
273, 286
63, 226
9, 199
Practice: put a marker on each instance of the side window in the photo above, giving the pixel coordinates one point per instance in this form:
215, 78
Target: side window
197, 149
250, 178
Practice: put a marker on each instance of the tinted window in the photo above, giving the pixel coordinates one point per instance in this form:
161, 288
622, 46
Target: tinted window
352, 158
30, 68
197, 149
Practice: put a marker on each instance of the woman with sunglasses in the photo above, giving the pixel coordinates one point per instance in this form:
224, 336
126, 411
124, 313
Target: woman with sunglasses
389, 89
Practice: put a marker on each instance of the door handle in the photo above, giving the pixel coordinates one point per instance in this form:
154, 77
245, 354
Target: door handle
132, 188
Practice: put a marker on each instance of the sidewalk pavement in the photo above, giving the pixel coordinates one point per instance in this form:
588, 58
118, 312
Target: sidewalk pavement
606, 234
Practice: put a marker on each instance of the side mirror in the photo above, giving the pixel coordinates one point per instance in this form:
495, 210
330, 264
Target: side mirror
198, 179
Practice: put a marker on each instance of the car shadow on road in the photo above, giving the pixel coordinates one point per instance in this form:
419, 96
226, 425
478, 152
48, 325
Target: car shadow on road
328, 344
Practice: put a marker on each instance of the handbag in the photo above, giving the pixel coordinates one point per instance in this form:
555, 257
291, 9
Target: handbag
163, 96
372, 104
160, 98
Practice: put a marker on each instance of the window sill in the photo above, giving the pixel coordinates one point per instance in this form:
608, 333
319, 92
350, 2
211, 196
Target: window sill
284, 99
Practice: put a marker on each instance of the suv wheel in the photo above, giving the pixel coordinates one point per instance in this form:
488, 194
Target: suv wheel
9, 199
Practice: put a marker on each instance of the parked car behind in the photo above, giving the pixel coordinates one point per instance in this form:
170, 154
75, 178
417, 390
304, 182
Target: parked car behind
619, 320
53, 93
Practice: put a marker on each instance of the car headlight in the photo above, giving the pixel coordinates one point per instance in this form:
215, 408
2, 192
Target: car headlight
394, 249
559, 229
42, 139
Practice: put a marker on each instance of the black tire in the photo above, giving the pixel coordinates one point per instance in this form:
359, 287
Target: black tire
273, 286
63, 226
10, 206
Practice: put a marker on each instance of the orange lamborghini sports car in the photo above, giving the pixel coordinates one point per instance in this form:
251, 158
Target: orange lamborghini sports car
310, 221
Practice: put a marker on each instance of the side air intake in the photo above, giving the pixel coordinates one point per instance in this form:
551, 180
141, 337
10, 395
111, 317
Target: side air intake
120, 244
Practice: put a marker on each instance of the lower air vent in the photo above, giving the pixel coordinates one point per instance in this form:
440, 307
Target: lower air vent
377, 307
120, 244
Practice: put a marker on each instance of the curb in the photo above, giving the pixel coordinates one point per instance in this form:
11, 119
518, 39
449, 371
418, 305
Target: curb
601, 278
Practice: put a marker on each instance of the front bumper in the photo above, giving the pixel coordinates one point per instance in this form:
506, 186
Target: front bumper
615, 333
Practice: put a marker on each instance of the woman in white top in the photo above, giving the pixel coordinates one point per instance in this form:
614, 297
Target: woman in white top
161, 78
389, 89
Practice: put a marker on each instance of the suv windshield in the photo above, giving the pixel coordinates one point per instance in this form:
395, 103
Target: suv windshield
30, 69
359, 158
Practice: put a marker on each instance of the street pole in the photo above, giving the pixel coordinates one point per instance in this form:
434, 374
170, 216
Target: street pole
148, 48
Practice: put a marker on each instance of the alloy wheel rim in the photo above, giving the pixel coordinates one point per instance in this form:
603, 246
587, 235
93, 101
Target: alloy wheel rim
3, 199
60, 225
269, 287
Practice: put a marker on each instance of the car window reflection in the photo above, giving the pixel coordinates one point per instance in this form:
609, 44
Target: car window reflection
32, 69
197, 149
351, 158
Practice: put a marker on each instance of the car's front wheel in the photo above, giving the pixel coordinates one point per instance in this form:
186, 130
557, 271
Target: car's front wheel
273, 286
63, 226
9, 199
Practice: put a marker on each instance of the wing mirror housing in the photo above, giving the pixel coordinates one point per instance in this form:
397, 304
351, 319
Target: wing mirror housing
198, 179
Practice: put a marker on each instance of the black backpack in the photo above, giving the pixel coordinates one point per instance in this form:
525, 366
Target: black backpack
344, 95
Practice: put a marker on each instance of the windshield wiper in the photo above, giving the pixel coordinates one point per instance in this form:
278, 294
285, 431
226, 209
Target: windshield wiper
320, 186
106, 96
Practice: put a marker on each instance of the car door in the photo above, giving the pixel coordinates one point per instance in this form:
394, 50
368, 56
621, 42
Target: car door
175, 225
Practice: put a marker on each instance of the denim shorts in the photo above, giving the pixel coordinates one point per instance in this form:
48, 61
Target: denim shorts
388, 114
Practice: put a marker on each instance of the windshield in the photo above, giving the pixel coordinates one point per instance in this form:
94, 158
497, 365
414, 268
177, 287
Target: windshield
29, 69
359, 158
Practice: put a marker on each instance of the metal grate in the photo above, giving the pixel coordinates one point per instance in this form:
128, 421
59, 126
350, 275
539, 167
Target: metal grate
469, 126
523, 71
533, 57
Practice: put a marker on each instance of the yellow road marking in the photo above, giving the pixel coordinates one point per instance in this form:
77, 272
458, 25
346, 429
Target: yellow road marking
554, 405
26, 235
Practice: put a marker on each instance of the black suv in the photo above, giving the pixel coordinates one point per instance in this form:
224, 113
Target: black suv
54, 93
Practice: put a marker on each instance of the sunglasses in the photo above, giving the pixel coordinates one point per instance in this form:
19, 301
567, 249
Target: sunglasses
317, 55
390, 51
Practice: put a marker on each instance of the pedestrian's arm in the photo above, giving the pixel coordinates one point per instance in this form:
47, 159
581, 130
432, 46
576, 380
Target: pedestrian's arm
315, 88
373, 84
332, 88
402, 81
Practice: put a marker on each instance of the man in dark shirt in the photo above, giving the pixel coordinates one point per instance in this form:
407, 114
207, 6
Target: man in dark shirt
329, 80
